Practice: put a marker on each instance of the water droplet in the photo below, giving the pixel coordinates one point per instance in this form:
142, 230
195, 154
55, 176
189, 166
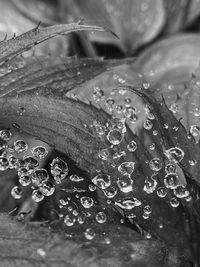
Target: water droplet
170, 168
110, 103
150, 186
25, 180
5, 134
30, 162
98, 94
132, 146
181, 192
175, 108
69, 220
39, 152
101, 217
89, 234
155, 164
175, 154
119, 108
76, 178
147, 209
100, 129
110, 192
192, 162
188, 198
92, 187
161, 192
148, 124
127, 101
37, 195
128, 204
174, 202
20, 146
102, 181
115, 137
130, 113
39, 176
171, 180
126, 168
152, 146
16, 192
47, 188
195, 130
4, 163
87, 202
59, 169
125, 184
103, 154
146, 85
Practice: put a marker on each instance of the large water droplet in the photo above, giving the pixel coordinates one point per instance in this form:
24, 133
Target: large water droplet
132, 146
59, 169
161, 192
181, 192
155, 164
5, 134
115, 137
39, 152
128, 204
102, 181
39, 176
175, 154
16, 192
87, 202
69, 220
4, 163
37, 195
171, 180
101, 217
89, 234
20, 146
47, 188
125, 184
126, 168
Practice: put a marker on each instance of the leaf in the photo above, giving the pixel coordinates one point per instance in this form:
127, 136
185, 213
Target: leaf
31, 245
15, 46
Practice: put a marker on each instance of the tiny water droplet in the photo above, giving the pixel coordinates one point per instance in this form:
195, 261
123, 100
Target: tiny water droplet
101, 217
20, 146
69, 220
155, 164
89, 234
87, 202
174, 202
175, 154
5, 134
39, 152
132, 146
47, 188
171, 180
161, 192
125, 184
37, 195
102, 181
16, 192
126, 168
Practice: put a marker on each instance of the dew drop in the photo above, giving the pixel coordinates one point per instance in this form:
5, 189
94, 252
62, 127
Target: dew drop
126, 168
30, 162
87, 202
147, 209
125, 184
69, 220
103, 154
161, 192
115, 137
101, 217
170, 168
132, 146
76, 178
155, 164
102, 181
47, 188
181, 192
128, 204
39, 152
174, 202
110, 192
4, 164
148, 125
25, 180
20, 146
150, 186
92, 187
59, 168
171, 180
39, 176
195, 130
16, 192
175, 154
5, 134
89, 234
37, 195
